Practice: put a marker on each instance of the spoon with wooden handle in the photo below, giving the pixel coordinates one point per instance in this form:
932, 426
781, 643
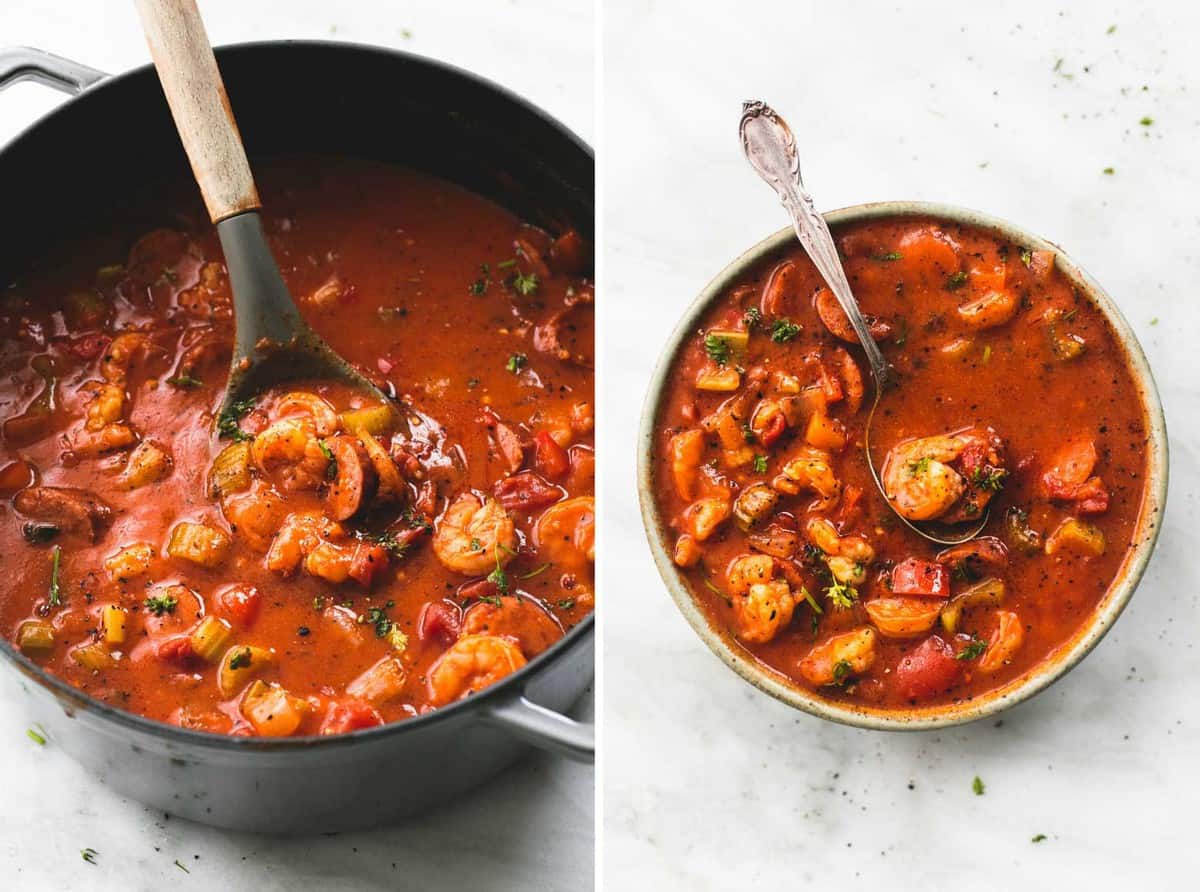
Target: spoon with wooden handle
273, 343
771, 150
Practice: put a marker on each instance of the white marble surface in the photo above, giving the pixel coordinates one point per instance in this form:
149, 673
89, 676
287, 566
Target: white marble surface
711, 785
529, 829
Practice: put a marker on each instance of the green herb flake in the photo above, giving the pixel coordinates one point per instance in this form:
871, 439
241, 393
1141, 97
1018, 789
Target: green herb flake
752, 317
55, 593
525, 285
1146, 121
376, 617
889, 257
977, 786
1111, 29
783, 330
920, 466
160, 604
717, 348
185, 382
1109, 171
37, 734
566, 604
331, 470
1042, 836
812, 602
1154, 321
973, 650
89, 855
181, 867
516, 362
1026, 257
536, 572
478, 287
841, 671
227, 422
499, 578
841, 595
241, 659
956, 281
760, 464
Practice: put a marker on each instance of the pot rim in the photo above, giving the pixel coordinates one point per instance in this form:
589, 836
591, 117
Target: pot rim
1060, 661
72, 698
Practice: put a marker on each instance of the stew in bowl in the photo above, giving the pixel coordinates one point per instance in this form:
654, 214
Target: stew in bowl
1021, 393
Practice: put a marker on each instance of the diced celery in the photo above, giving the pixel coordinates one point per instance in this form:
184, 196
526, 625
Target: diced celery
198, 543
382, 682
240, 664
96, 657
230, 470
35, 636
718, 380
376, 420
210, 638
985, 593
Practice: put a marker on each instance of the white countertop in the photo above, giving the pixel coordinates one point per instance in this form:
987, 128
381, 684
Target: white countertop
531, 828
712, 785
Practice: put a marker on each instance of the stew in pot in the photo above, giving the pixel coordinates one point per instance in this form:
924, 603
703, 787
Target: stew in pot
1015, 397
309, 563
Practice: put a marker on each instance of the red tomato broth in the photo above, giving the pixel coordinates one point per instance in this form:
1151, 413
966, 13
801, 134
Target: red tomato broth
399, 256
1009, 378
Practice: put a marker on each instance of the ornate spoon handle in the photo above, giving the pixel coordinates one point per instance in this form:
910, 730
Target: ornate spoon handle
771, 150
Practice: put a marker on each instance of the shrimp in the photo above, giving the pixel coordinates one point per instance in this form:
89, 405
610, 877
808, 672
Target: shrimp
471, 664
837, 322
106, 407
762, 604
918, 479
812, 469
254, 517
325, 420
290, 450
846, 556
566, 533
299, 534
1003, 643
474, 535
520, 618
839, 658
687, 451
123, 351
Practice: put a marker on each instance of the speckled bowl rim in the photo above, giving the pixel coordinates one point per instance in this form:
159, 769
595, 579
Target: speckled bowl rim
1036, 680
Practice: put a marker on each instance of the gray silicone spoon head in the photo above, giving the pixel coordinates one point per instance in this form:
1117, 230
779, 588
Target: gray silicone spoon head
770, 148
273, 344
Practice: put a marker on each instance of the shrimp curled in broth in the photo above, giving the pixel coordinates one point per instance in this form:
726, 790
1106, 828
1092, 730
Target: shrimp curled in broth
471, 664
566, 533
474, 536
919, 480
289, 450
122, 353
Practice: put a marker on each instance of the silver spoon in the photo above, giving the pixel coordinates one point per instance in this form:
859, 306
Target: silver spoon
273, 343
771, 150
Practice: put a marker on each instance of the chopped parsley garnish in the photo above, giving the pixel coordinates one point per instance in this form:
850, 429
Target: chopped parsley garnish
185, 381
840, 594
36, 734
760, 464
987, 354
181, 867
566, 604
920, 466
1108, 171
227, 422
89, 855
748, 432
783, 330
506, 264
318, 603
841, 671
160, 604
241, 659
752, 317
388, 542
331, 470
956, 281
494, 600
1146, 121
1027, 257
499, 578
812, 602
525, 285
989, 478
977, 786
516, 362
377, 618
1041, 836
717, 348
479, 286
973, 650
888, 257
55, 588
535, 572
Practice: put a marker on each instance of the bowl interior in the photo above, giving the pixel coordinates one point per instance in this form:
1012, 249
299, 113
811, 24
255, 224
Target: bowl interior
1021, 688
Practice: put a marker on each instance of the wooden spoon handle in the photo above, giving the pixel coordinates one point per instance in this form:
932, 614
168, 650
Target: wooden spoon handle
188, 71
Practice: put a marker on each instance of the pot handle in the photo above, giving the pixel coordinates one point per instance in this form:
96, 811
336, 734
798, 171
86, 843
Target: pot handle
544, 728
23, 63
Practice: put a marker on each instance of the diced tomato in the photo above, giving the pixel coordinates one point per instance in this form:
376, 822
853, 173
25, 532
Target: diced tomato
569, 254
439, 621
176, 650
368, 562
239, 605
550, 459
384, 365
350, 715
525, 492
917, 577
773, 430
929, 670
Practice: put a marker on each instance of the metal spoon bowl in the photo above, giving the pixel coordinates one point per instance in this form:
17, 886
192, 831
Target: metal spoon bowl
771, 150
